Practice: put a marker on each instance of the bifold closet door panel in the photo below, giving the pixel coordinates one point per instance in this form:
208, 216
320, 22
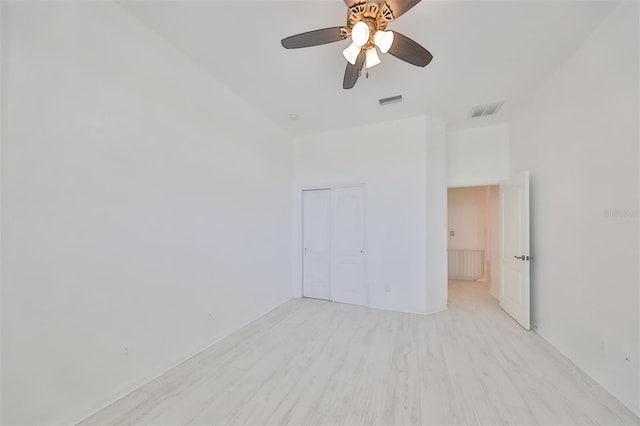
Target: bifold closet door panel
347, 246
316, 219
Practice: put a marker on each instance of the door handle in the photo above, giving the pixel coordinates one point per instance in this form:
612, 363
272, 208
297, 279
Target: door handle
523, 257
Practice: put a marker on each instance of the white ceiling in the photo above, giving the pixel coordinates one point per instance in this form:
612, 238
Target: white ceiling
483, 51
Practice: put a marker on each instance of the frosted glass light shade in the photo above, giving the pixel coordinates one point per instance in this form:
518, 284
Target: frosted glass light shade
372, 58
351, 53
360, 33
384, 40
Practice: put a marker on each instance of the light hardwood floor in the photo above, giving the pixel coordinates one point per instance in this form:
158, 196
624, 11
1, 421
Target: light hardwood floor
316, 362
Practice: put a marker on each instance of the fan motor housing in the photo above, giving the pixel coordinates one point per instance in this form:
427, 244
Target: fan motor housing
376, 14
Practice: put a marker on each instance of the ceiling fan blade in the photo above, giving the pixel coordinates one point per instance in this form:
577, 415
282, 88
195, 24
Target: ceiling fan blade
352, 72
409, 51
314, 38
399, 7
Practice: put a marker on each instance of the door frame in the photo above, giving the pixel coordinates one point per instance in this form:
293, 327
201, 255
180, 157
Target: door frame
297, 234
492, 182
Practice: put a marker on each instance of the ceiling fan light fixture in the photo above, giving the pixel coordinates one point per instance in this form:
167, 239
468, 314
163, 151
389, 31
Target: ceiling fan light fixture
360, 33
372, 58
384, 40
366, 30
351, 53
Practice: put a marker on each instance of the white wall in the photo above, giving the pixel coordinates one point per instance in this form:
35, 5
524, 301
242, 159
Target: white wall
436, 215
579, 138
146, 210
390, 159
478, 156
3, 129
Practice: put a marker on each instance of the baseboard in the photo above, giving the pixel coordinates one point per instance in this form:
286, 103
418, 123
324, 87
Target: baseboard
408, 311
435, 310
207, 346
394, 309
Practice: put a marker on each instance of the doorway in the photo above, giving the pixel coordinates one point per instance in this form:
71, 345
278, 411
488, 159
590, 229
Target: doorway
333, 231
473, 245
488, 245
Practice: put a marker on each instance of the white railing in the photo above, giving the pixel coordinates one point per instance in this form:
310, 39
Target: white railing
466, 264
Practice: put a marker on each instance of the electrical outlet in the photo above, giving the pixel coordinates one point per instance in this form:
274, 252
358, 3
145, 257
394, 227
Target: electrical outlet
387, 288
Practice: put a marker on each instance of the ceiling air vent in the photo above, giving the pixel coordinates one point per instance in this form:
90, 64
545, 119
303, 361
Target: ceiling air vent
391, 100
486, 109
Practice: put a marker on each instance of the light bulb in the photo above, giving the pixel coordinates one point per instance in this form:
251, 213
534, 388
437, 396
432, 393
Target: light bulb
360, 33
372, 58
351, 53
384, 40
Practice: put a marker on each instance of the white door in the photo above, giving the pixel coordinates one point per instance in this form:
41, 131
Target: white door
514, 251
316, 218
347, 246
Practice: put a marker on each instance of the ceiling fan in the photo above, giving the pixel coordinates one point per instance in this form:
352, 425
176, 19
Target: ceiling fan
367, 22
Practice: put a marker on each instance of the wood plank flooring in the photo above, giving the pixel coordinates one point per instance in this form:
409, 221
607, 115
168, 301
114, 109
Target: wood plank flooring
312, 362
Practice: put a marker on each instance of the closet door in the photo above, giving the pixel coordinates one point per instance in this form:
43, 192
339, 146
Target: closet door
316, 240
347, 246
